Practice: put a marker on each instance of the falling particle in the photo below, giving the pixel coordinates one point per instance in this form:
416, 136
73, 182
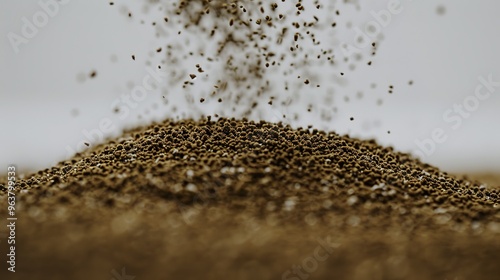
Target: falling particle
133, 57
192, 76
410, 83
388, 132
93, 74
351, 118
441, 10
111, 3
74, 112
86, 144
202, 100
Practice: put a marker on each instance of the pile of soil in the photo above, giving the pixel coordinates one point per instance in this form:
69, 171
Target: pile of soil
237, 199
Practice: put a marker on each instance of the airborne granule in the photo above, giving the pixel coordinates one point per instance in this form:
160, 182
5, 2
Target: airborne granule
236, 199
250, 50
441, 10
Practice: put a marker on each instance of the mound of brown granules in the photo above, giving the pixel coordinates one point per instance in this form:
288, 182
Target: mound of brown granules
237, 199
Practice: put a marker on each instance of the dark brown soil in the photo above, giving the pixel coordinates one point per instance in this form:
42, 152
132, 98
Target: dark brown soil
235, 199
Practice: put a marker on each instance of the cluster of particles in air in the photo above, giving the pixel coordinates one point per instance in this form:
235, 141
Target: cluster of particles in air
280, 61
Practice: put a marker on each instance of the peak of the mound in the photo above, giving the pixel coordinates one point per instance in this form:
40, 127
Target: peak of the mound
263, 168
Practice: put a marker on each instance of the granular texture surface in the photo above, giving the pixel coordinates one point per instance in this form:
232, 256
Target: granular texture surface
237, 199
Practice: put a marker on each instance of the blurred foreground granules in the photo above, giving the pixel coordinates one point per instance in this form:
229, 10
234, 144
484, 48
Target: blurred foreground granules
236, 199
